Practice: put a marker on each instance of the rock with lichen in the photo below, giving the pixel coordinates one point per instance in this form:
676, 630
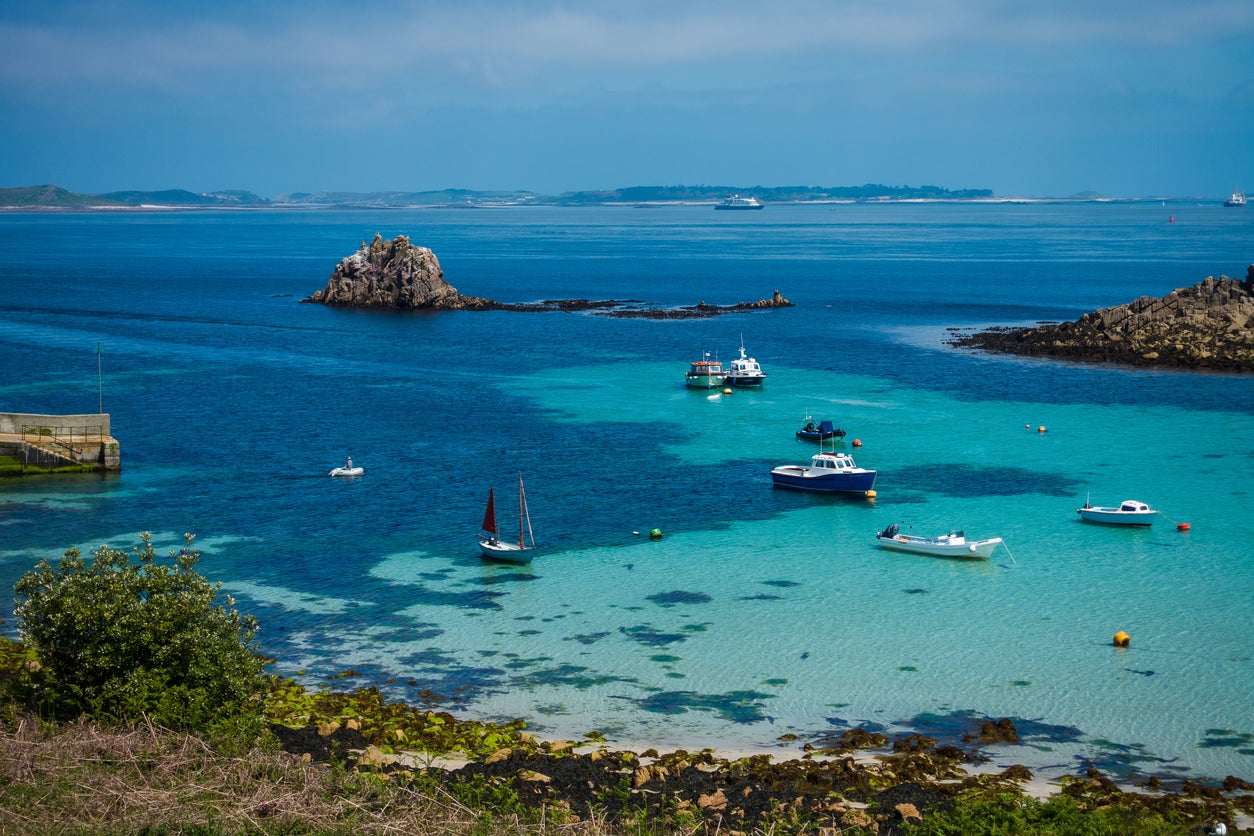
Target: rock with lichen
1207, 326
393, 274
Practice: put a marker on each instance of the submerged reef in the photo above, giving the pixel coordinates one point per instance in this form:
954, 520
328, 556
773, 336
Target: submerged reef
1209, 326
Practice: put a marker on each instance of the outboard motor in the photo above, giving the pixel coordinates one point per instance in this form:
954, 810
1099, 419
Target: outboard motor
891, 531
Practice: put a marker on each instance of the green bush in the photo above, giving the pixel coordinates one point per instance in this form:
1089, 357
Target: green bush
121, 639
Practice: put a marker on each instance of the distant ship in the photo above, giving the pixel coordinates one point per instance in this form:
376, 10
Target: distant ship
738, 202
1237, 199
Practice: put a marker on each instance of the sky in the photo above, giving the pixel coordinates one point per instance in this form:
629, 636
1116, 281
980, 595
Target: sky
1125, 98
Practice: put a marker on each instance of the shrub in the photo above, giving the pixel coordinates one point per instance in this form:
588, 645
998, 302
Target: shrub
122, 639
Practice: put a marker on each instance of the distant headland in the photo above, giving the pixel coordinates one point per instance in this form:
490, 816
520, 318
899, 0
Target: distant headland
1209, 326
399, 275
55, 198
49, 197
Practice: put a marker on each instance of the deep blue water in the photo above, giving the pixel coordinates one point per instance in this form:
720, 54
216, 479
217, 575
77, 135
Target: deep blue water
232, 401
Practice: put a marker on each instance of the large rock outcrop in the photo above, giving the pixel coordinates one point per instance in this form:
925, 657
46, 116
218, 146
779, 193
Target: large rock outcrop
1207, 326
398, 275
393, 274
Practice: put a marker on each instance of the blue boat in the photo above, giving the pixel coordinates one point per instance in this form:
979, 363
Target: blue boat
826, 473
823, 431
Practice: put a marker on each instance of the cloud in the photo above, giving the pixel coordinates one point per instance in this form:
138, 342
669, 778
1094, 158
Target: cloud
340, 46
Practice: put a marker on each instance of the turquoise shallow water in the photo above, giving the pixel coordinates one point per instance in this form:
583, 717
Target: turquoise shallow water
760, 612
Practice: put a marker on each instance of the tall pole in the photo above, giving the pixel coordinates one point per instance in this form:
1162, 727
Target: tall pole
99, 378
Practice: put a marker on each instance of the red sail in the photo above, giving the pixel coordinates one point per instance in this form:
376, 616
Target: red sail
489, 516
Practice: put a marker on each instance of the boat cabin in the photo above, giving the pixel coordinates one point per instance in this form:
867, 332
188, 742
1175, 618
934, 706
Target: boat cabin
1132, 506
832, 461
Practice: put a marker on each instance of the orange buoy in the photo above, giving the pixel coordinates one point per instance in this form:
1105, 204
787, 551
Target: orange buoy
1041, 428
1182, 526
857, 442
1122, 639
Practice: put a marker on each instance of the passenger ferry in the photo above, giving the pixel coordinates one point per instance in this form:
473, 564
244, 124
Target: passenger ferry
738, 202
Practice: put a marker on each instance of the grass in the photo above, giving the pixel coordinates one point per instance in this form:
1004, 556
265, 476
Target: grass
82, 778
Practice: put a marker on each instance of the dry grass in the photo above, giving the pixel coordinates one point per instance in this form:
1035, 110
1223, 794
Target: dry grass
84, 779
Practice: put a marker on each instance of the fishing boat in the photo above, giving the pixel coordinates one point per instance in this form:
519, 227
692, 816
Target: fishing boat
738, 202
496, 549
705, 373
826, 473
953, 544
1129, 512
744, 370
347, 469
819, 432
1237, 199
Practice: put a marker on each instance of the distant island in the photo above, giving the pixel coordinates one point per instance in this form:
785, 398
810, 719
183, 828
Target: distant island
54, 198
1208, 326
51, 197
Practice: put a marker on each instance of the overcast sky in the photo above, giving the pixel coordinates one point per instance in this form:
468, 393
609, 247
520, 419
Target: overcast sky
1121, 97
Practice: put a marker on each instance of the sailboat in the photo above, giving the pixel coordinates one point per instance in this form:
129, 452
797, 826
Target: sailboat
497, 549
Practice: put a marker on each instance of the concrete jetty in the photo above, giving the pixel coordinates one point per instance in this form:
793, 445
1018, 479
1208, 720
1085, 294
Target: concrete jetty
33, 443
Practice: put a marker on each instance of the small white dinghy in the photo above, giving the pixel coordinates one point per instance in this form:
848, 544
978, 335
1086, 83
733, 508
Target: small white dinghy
347, 469
953, 544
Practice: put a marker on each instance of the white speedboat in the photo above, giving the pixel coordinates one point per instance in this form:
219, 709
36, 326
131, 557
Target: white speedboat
1129, 512
826, 473
744, 370
738, 202
347, 469
705, 373
953, 544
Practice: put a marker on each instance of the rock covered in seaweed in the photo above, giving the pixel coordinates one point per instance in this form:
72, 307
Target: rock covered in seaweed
392, 274
1207, 326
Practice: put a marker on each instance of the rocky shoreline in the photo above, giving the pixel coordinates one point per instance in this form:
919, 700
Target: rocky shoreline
860, 781
1209, 326
399, 275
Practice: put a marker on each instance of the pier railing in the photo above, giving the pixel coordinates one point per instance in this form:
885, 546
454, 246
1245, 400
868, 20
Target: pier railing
63, 439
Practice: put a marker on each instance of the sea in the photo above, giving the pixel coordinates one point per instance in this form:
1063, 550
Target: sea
760, 619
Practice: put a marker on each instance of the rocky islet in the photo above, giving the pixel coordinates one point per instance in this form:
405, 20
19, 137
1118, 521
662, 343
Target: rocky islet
1208, 326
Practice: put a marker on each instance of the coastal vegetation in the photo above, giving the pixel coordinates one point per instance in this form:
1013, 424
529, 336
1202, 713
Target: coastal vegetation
136, 703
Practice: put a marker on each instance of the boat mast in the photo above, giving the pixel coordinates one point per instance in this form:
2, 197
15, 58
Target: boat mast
522, 512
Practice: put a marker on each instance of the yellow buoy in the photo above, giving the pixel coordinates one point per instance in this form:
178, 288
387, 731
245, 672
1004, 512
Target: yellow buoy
1122, 639
1041, 429
727, 391
870, 494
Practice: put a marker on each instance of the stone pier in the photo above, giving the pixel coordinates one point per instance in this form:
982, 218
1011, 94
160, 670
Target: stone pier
34, 443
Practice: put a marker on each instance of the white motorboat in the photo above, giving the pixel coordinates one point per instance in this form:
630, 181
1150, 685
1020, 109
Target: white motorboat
496, 549
744, 370
348, 469
1129, 512
953, 544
